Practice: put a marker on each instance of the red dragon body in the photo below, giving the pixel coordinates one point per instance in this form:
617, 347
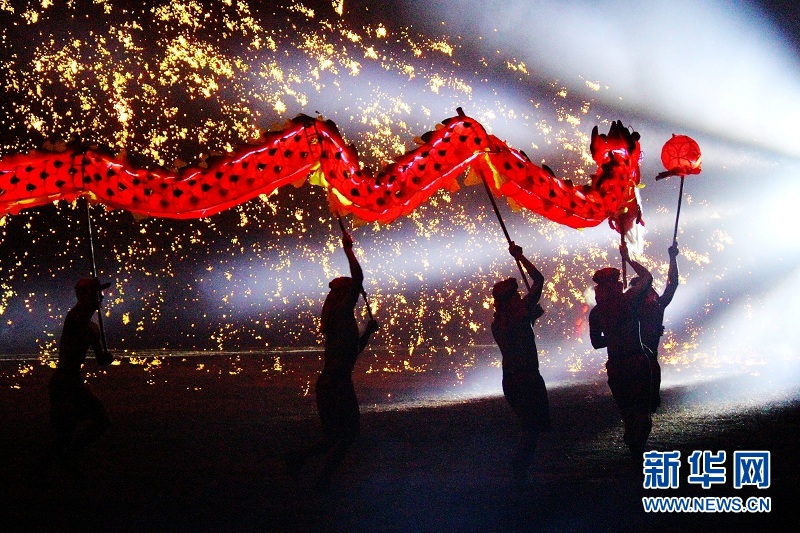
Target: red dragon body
309, 147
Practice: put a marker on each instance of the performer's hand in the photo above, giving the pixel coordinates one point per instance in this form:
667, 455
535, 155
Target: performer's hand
673, 251
515, 250
347, 240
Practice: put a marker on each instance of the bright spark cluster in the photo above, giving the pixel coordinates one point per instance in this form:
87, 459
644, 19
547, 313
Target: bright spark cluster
178, 81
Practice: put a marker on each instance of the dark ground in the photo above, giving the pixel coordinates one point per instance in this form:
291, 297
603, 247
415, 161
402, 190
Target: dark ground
202, 451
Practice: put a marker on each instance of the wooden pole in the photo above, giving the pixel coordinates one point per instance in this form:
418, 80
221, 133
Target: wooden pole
90, 235
505, 232
678, 214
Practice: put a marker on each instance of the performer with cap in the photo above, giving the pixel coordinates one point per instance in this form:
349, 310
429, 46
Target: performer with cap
523, 386
71, 401
336, 397
614, 325
651, 324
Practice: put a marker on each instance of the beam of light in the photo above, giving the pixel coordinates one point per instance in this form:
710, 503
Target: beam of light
718, 68
245, 288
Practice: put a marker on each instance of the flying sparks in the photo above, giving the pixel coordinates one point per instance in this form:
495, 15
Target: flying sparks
175, 82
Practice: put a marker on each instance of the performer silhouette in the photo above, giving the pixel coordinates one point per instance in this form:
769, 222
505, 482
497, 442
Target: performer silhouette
651, 324
614, 325
523, 386
71, 401
336, 397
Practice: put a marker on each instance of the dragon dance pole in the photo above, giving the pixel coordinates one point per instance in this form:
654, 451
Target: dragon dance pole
460, 112
678, 214
505, 231
103, 344
624, 265
363, 292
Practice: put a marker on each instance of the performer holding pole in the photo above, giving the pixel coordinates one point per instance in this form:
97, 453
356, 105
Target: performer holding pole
363, 292
336, 397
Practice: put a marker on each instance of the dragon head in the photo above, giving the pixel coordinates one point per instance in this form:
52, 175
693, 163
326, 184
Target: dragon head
617, 155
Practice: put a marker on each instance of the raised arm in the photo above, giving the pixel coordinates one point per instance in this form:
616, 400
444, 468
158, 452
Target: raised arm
537, 279
672, 277
355, 269
645, 276
358, 280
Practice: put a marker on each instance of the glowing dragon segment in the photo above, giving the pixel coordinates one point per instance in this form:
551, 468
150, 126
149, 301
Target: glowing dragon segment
38, 178
611, 195
279, 159
309, 147
410, 180
510, 174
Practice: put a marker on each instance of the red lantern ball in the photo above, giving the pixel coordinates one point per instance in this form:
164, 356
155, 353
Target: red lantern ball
681, 155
